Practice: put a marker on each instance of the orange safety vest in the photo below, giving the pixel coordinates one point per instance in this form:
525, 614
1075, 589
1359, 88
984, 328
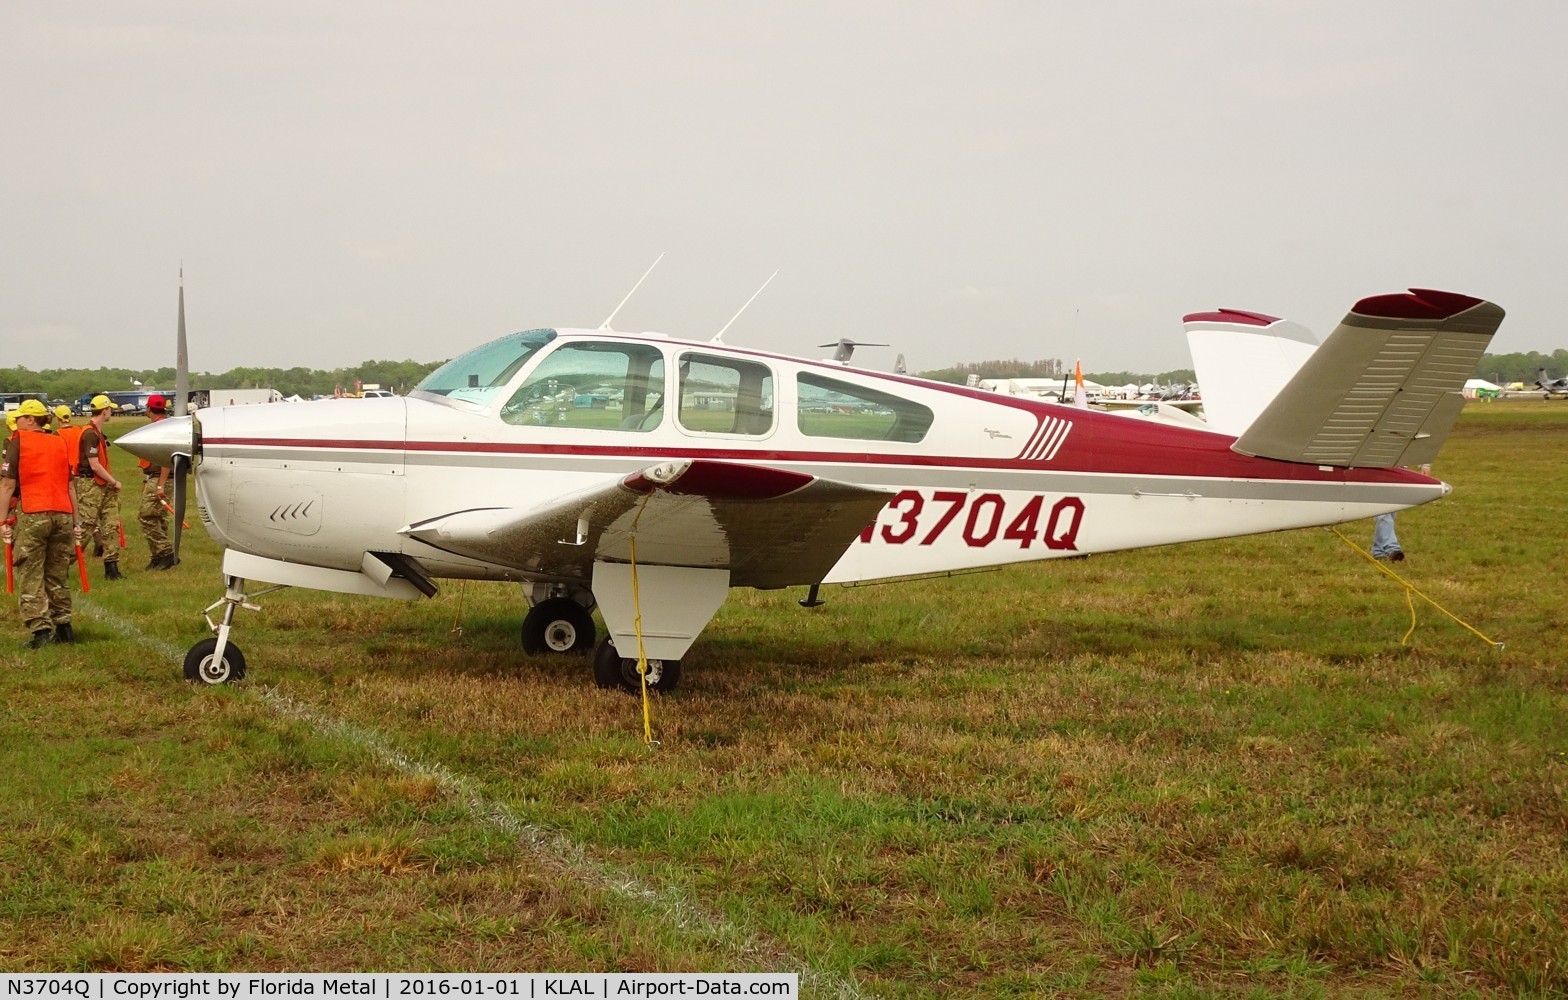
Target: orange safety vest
44, 474
72, 436
103, 458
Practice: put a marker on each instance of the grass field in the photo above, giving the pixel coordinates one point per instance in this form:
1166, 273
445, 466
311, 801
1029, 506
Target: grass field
1204, 770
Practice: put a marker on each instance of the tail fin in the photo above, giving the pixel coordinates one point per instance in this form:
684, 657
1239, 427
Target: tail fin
1384, 389
1242, 361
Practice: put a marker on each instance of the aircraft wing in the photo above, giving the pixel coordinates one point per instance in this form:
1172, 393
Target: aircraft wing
1385, 387
769, 527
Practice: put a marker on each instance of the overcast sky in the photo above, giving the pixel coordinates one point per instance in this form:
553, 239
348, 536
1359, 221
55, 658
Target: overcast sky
353, 180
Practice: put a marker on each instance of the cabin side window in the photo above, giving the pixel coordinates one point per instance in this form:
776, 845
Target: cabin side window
725, 395
833, 409
604, 386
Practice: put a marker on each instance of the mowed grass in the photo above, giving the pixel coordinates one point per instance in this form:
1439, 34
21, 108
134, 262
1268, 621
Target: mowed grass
1204, 770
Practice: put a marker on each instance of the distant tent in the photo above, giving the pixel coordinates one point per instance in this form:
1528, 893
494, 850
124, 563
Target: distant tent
296, 398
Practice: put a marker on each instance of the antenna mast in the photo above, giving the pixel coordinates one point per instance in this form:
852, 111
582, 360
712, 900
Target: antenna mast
606, 324
742, 309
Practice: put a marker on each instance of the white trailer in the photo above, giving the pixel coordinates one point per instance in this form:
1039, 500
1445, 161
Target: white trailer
202, 398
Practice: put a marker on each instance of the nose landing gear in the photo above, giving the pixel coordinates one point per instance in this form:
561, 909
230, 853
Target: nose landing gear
216, 660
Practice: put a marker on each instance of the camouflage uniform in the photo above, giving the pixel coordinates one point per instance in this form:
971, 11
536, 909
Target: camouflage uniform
95, 503
154, 517
42, 554
98, 497
42, 540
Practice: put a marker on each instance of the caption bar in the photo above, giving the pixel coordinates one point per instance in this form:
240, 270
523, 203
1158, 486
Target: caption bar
396, 986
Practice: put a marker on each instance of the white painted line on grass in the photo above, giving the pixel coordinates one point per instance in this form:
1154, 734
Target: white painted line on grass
557, 851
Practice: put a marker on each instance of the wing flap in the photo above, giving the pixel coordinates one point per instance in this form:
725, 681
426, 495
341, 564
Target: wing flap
769, 527
1384, 389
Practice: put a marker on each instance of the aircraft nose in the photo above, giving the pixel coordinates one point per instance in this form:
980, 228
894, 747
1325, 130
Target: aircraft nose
159, 442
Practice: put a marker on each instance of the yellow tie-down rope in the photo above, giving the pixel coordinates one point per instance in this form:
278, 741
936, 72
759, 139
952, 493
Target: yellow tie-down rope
457, 616
1410, 589
642, 654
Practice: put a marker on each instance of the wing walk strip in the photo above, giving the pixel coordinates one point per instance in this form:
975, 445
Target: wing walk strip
555, 851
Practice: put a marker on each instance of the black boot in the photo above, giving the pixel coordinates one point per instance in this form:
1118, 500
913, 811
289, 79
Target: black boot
64, 633
154, 561
111, 571
43, 637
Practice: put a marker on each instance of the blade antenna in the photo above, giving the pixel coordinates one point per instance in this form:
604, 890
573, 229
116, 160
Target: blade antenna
742, 309
606, 324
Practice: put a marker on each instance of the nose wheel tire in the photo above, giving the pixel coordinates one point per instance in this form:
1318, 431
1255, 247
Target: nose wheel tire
559, 625
203, 667
612, 670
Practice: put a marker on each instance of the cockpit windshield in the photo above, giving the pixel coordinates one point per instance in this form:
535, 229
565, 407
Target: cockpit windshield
484, 371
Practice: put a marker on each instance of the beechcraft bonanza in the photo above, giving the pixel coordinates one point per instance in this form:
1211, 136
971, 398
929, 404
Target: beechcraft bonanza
645, 476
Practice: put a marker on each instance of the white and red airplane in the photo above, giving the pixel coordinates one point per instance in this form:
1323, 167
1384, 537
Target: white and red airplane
646, 475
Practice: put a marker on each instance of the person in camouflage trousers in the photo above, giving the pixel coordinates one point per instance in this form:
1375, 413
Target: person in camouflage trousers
154, 515
97, 490
44, 534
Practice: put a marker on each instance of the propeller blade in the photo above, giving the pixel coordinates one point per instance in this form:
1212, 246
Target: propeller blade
180, 467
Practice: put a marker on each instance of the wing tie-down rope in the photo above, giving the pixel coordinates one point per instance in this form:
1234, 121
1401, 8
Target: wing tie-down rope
1411, 589
642, 654
457, 616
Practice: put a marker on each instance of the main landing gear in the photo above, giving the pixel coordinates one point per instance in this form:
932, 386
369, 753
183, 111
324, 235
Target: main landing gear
561, 621
559, 624
612, 670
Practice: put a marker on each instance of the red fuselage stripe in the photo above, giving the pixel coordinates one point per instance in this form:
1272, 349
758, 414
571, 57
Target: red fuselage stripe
1109, 457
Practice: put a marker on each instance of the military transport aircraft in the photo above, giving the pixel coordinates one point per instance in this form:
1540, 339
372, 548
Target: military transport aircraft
646, 475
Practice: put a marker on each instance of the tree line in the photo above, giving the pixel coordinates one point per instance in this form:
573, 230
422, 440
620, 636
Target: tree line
1522, 367
1499, 368
71, 383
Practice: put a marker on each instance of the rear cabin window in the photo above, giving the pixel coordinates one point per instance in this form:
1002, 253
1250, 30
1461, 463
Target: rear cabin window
725, 396
833, 409
606, 386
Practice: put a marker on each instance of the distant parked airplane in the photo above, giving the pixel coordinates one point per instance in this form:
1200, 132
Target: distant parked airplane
1551, 386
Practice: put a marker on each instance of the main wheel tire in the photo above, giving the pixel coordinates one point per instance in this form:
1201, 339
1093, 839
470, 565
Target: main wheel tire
612, 670
202, 667
559, 625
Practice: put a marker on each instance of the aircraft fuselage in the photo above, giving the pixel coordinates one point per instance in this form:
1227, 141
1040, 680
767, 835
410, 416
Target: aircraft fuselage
987, 480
